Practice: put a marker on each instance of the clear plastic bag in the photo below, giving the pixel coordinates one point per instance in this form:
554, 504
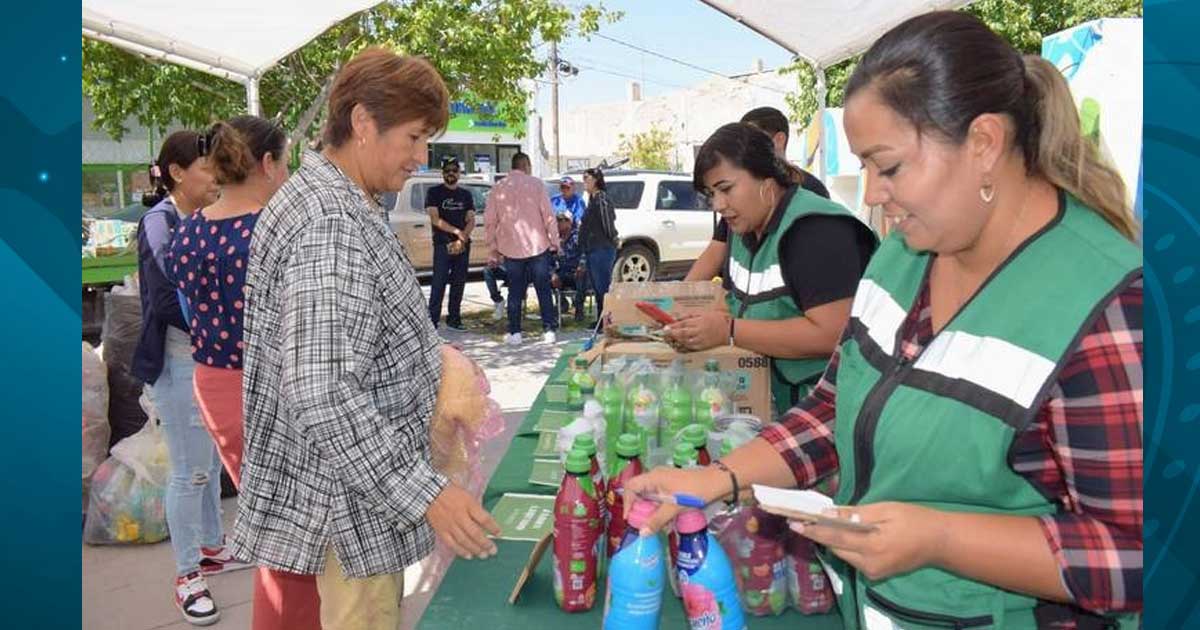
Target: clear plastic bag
128, 490
96, 430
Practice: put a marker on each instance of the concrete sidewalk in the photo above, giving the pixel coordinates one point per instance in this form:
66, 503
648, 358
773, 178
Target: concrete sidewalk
130, 588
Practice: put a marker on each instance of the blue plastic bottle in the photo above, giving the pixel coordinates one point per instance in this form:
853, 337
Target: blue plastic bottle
710, 597
636, 576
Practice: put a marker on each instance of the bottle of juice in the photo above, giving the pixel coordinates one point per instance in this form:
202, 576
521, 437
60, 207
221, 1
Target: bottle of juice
641, 413
808, 586
635, 579
676, 401
581, 385
684, 456
587, 443
576, 530
611, 395
696, 435
627, 466
711, 398
710, 597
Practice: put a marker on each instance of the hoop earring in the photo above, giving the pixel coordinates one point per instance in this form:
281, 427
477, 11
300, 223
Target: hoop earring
987, 193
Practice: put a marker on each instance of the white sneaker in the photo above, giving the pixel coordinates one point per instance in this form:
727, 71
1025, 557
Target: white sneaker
498, 314
512, 339
194, 601
549, 337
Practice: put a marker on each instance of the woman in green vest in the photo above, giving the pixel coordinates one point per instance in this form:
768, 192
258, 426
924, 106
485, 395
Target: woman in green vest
794, 261
984, 406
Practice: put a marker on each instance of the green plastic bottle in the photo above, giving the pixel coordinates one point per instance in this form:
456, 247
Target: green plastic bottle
641, 413
581, 384
696, 436
611, 395
711, 400
676, 401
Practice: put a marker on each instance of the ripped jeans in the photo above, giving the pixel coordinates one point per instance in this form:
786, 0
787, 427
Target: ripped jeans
193, 501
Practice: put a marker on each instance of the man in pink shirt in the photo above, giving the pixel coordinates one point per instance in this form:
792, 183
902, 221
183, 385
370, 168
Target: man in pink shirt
520, 231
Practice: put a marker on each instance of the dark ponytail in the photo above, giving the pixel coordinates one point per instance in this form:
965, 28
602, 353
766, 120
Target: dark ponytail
180, 148
744, 146
236, 147
941, 70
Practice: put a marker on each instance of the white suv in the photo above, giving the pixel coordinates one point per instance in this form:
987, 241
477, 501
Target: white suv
664, 224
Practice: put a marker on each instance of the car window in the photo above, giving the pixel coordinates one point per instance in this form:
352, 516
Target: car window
625, 195
479, 193
679, 195
419, 190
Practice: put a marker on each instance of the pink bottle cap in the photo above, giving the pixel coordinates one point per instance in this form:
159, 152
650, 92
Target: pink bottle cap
690, 522
641, 512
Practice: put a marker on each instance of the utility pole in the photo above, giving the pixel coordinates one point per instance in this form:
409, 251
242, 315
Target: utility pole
554, 102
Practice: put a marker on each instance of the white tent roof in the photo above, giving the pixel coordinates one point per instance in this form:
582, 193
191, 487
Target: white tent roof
825, 32
234, 39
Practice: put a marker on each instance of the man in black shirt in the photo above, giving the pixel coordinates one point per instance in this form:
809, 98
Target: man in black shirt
772, 122
452, 214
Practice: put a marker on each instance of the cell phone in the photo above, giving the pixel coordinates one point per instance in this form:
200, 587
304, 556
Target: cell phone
655, 313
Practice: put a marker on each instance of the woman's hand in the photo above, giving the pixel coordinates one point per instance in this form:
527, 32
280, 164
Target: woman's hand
461, 522
906, 537
700, 331
706, 483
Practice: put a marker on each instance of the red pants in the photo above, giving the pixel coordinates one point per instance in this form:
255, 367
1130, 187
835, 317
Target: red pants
282, 600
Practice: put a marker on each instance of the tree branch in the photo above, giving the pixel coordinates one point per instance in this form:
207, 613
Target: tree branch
314, 108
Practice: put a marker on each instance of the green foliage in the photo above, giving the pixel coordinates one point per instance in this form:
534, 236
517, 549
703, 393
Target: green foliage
649, 150
484, 49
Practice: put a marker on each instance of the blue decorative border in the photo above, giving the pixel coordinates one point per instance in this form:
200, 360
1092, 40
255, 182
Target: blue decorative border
40, 318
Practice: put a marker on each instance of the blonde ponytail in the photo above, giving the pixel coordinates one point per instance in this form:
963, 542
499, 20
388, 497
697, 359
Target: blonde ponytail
1058, 151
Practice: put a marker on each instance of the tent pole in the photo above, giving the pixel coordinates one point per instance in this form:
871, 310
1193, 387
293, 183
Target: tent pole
252, 103
821, 89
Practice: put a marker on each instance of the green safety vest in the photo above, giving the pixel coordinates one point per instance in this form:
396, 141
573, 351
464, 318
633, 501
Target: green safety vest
757, 290
937, 431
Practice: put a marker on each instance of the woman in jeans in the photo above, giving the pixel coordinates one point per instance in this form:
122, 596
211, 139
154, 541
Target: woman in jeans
598, 236
247, 156
163, 360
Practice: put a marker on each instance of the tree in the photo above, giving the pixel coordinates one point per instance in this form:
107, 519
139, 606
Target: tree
648, 150
1022, 22
484, 49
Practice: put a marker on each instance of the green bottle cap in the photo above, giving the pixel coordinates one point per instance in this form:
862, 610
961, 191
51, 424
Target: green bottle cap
684, 455
586, 443
726, 447
628, 445
581, 362
712, 365
696, 435
578, 462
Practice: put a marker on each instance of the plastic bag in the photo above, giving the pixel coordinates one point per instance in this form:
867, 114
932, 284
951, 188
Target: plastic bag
128, 490
464, 418
121, 331
95, 415
755, 543
808, 587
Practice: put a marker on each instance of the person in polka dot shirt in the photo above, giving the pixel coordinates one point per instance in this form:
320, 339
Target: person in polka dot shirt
207, 263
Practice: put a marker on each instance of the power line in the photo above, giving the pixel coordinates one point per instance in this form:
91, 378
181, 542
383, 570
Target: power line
601, 66
686, 64
630, 76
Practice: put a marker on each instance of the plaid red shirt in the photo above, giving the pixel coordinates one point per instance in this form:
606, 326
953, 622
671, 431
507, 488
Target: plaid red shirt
1083, 451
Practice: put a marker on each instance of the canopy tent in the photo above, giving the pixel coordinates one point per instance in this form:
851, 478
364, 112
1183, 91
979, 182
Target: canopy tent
232, 39
825, 32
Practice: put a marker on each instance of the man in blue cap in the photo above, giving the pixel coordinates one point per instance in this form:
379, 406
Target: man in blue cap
568, 201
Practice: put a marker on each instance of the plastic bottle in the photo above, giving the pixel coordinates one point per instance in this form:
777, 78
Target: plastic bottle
684, 456
676, 401
808, 585
586, 442
611, 395
581, 385
711, 399
635, 579
641, 413
696, 435
577, 528
757, 539
627, 466
710, 597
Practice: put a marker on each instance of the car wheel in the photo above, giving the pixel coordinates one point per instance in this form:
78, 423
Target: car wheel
635, 263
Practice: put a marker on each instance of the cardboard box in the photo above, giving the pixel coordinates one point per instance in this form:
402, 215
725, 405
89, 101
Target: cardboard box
752, 370
676, 298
